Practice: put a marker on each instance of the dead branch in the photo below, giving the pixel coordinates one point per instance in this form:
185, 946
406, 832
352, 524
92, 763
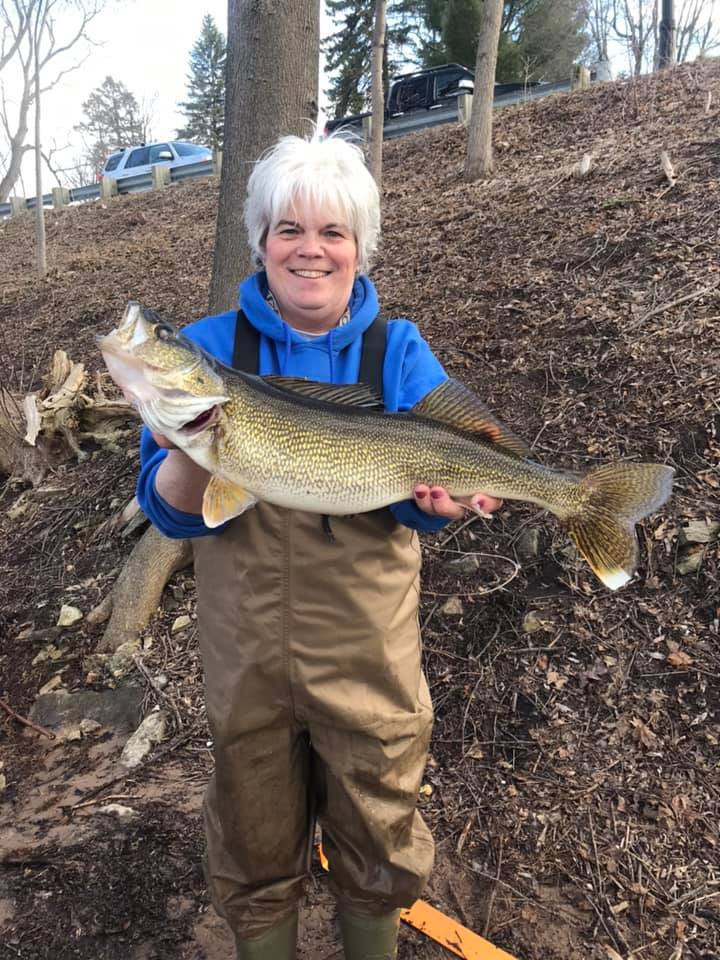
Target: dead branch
667, 167
25, 722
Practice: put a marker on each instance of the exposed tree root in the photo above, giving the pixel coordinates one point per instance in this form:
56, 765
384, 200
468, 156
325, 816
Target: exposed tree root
139, 586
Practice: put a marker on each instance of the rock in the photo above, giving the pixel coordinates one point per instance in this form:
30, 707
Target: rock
118, 810
68, 615
26, 632
466, 564
118, 709
150, 731
528, 544
690, 559
50, 652
532, 622
88, 727
72, 735
698, 531
180, 623
122, 659
452, 607
52, 684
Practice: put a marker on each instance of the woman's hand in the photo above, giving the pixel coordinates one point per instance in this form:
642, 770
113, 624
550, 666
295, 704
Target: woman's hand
163, 442
438, 502
179, 480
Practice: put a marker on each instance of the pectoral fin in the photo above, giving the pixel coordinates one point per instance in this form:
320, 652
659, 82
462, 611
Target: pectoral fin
224, 500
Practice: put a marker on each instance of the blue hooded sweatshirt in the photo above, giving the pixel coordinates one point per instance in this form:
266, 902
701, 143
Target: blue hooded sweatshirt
410, 371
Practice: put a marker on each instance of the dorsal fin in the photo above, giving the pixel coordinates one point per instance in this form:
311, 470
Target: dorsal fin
347, 394
453, 404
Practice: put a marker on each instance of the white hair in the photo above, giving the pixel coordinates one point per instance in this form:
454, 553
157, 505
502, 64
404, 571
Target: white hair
321, 173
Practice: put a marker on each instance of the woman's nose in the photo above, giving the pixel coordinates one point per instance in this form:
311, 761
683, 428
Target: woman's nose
310, 245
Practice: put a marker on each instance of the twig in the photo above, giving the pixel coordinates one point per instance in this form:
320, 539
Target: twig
708, 101
673, 303
114, 796
493, 892
163, 751
27, 723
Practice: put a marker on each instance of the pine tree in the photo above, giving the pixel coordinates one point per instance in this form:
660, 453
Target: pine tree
204, 108
348, 51
113, 119
461, 21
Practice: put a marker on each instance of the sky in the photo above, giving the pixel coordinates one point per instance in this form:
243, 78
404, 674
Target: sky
145, 44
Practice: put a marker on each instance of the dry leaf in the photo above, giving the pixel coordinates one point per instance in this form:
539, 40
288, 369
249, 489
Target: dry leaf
612, 954
643, 733
679, 659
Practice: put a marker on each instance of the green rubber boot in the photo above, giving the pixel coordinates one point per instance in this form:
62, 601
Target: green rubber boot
368, 937
277, 944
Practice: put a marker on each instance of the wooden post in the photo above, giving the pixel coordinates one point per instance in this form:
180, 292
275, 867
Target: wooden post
580, 77
160, 176
61, 197
18, 206
108, 188
367, 128
464, 105
217, 162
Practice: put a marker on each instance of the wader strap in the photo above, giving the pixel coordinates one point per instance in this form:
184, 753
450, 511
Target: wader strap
246, 349
373, 355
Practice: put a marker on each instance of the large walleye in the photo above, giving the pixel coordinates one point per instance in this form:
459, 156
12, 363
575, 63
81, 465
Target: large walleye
332, 450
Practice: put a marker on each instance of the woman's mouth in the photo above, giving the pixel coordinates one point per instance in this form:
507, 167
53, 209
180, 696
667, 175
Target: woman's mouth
310, 274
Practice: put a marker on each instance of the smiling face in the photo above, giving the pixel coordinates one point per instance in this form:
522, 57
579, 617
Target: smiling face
310, 261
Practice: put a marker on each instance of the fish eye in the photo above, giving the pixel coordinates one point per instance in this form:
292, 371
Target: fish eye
164, 331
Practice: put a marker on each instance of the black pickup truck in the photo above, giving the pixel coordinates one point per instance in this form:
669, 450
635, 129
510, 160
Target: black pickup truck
425, 89
421, 90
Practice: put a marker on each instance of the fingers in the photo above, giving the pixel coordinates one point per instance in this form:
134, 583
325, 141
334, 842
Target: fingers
162, 441
437, 501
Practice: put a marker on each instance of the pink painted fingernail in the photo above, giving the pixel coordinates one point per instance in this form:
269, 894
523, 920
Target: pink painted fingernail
420, 494
436, 494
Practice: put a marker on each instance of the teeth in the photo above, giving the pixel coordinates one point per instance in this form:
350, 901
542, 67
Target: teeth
310, 274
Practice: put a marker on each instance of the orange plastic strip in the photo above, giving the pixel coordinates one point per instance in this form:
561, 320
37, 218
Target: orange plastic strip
443, 930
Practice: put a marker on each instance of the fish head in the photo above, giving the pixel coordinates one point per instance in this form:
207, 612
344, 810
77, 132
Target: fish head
169, 379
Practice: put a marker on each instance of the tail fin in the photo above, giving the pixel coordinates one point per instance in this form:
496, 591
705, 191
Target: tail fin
604, 530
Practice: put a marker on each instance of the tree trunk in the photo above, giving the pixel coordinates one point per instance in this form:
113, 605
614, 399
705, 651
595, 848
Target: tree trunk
479, 160
666, 52
39, 211
378, 98
271, 90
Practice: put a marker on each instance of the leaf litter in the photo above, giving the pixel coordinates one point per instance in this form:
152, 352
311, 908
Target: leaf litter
573, 786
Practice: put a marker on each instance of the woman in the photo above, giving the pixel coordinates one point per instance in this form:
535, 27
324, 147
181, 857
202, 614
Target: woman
315, 695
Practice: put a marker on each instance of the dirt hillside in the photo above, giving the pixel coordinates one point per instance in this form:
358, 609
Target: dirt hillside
574, 786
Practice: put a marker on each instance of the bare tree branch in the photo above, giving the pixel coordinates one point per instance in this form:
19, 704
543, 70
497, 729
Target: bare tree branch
33, 29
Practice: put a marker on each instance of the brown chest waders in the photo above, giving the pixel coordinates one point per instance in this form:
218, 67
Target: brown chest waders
318, 709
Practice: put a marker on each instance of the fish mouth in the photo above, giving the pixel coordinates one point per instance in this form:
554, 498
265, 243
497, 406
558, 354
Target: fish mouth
202, 421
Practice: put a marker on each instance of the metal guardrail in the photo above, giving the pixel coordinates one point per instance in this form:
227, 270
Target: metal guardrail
394, 127
448, 113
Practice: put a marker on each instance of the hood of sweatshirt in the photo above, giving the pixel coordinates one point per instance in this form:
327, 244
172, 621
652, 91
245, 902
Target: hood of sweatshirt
299, 354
